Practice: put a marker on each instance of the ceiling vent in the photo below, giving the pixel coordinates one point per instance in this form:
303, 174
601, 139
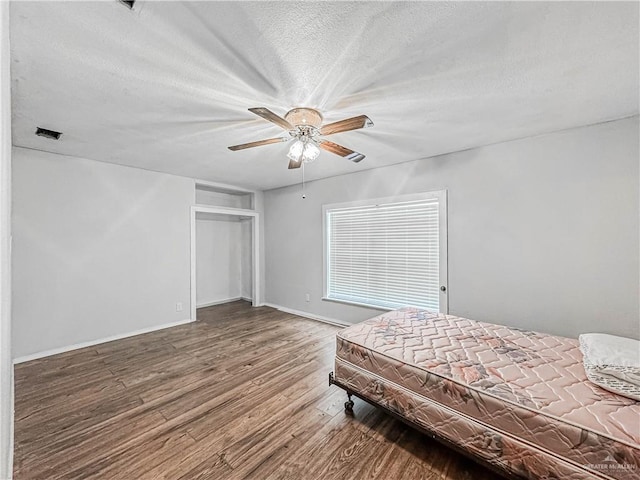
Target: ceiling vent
43, 132
128, 3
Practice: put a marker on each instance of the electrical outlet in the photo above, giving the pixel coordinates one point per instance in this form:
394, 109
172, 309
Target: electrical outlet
179, 307
307, 297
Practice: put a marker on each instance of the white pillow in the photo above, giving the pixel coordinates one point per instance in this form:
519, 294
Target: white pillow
612, 363
603, 349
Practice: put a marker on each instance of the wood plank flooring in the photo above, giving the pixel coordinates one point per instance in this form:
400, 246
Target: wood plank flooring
240, 394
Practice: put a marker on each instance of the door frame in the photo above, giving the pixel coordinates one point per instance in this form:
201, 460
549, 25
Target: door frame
256, 287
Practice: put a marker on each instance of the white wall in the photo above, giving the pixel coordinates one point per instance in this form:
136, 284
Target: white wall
543, 231
6, 366
98, 250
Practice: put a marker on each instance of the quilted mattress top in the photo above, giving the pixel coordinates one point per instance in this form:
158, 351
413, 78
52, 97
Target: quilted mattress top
536, 371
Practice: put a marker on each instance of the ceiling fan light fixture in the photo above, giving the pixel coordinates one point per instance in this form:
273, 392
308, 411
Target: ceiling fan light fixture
303, 151
295, 151
310, 152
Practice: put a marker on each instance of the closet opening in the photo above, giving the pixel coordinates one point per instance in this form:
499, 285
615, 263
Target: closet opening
224, 256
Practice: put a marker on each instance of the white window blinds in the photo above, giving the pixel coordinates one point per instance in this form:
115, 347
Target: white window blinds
385, 255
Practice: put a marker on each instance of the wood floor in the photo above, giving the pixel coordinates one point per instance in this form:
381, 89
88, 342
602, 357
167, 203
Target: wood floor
242, 393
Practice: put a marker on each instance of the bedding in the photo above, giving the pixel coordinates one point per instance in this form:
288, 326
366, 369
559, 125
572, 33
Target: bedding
612, 363
519, 400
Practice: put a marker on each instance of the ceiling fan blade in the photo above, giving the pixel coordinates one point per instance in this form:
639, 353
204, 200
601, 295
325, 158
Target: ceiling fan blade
258, 143
341, 151
272, 117
295, 164
353, 123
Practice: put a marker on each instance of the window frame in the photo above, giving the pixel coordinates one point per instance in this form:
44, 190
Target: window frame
440, 195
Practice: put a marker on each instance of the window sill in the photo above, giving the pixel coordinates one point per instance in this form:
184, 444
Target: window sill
358, 304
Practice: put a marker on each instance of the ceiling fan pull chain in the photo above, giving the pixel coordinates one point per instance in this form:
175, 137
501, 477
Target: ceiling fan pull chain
303, 194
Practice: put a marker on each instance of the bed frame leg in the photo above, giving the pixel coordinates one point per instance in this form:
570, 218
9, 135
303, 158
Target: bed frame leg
348, 405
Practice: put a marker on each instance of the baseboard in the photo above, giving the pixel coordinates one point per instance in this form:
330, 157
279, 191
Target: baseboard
311, 316
222, 302
218, 302
55, 351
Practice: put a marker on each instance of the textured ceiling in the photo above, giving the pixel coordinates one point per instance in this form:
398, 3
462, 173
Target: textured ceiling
166, 86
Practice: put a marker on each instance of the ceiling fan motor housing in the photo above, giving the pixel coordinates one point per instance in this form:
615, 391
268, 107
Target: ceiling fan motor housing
299, 117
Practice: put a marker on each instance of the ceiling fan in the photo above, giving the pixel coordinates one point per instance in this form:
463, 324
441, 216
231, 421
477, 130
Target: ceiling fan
305, 126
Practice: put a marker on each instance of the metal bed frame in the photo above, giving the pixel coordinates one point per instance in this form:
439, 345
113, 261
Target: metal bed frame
348, 408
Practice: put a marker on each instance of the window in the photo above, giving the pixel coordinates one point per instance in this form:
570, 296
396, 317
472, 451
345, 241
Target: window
388, 253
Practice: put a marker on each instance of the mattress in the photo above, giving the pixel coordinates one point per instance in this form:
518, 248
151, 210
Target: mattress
518, 399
